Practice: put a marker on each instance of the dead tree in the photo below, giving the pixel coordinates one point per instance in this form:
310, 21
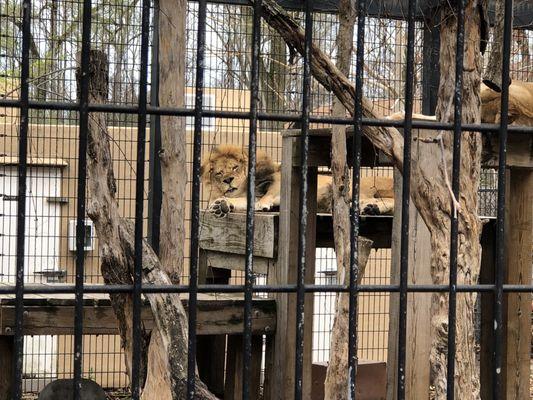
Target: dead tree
167, 358
493, 72
337, 376
336, 385
429, 193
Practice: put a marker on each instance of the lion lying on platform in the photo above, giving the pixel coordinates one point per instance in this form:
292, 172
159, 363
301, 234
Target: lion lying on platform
520, 105
225, 180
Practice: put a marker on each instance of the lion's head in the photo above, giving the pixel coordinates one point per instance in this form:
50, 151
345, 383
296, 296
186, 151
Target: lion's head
225, 170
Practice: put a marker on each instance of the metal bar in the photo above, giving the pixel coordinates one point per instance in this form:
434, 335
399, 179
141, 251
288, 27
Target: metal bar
139, 202
21, 201
354, 209
155, 185
262, 116
250, 197
456, 166
430, 63
498, 384
406, 188
81, 189
195, 207
302, 223
288, 288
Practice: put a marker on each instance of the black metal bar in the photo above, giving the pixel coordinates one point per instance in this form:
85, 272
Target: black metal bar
262, 116
288, 288
81, 193
456, 168
139, 201
155, 191
498, 363
195, 207
430, 62
250, 196
302, 223
406, 188
354, 209
21, 201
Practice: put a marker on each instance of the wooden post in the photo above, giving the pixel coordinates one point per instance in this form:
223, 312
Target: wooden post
234, 366
6, 366
282, 377
418, 304
486, 338
519, 241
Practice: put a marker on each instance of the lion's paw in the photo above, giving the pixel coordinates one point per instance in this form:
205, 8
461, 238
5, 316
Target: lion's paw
221, 207
371, 209
264, 205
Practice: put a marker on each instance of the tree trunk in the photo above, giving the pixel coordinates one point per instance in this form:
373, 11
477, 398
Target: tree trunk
337, 374
469, 256
172, 52
428, 191
337, 386
493, 72
168, 354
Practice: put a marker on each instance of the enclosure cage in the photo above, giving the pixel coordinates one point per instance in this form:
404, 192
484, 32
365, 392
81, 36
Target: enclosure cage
248, 82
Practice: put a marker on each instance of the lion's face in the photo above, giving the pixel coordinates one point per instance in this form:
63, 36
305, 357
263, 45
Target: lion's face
225, 170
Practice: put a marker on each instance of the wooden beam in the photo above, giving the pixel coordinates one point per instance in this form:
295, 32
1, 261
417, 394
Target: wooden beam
519, 242
217, 315
282, 377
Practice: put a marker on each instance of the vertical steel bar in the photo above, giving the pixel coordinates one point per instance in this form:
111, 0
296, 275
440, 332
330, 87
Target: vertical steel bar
456, 165
81, 188
302, 226
139, 201
250, 195
406, 188
354, 209
195, 207
154, 181
500, 266
21, 200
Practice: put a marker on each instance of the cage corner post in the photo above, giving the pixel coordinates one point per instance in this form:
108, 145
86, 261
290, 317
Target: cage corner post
517, 306
282, 375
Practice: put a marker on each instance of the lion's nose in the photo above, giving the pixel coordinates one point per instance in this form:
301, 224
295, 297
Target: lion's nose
228, 180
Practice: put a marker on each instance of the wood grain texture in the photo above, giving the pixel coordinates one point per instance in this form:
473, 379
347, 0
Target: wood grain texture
519, 242
217, 315
228, 234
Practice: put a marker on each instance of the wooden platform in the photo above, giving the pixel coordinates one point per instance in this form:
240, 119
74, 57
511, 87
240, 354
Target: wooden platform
53, 314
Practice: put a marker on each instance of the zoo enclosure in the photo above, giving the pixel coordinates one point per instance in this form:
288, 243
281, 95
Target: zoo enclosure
56, 103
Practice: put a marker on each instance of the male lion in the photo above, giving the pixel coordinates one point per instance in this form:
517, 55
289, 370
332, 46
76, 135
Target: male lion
225, 180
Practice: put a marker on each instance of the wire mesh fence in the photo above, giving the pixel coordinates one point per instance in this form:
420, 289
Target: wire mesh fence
47, 41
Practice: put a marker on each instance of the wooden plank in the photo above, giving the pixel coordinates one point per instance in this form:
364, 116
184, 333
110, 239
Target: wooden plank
282, 375
216, 259
519, 242
215, 316
486, 339
319, 153
374, 227
229, 234
519, 151
6, 366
